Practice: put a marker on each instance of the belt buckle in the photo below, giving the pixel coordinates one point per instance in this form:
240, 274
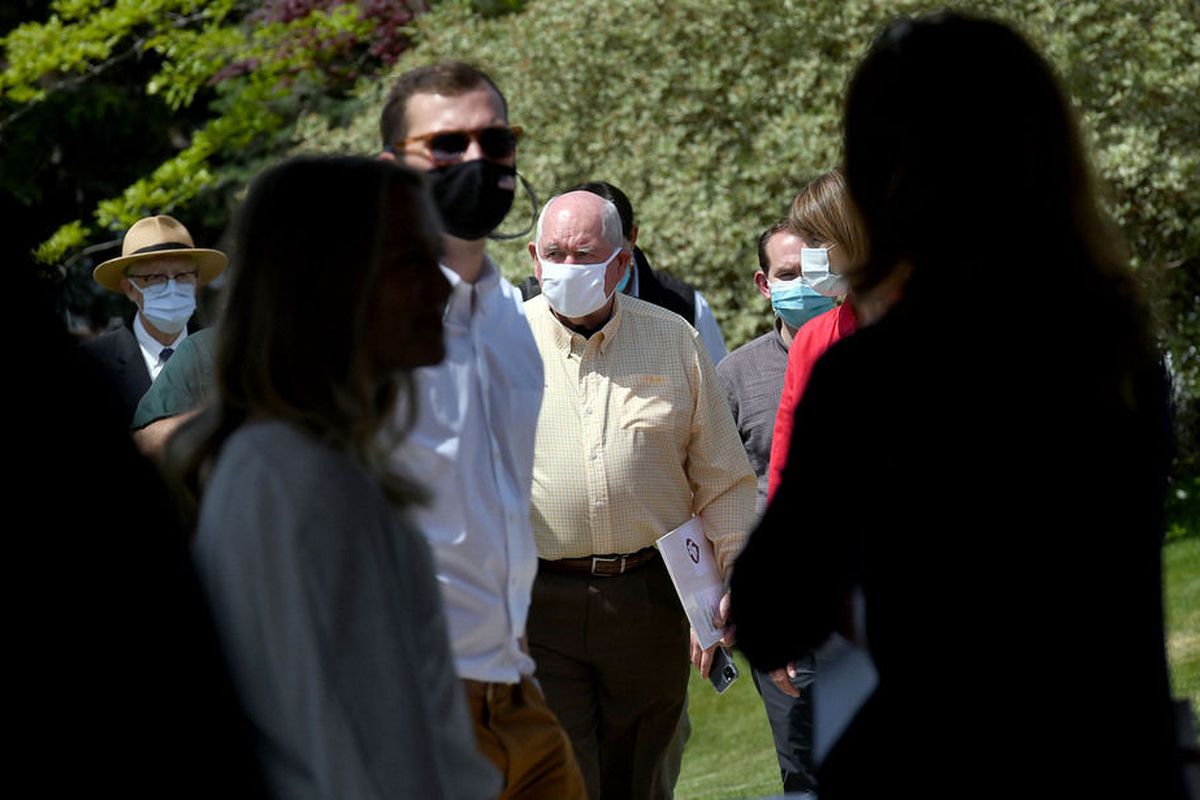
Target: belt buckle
603, 560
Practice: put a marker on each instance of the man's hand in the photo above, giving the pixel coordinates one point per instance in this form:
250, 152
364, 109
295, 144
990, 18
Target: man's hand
703, 658
782, 678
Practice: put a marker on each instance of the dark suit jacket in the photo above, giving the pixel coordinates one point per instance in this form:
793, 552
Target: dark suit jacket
120, 360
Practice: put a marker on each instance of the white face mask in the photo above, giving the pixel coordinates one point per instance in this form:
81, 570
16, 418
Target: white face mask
814, 269
168, 307
575, 290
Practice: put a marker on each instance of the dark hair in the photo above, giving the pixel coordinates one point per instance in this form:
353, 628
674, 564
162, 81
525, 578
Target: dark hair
449, 78
292, 343
613, 195
960, 143
781, 226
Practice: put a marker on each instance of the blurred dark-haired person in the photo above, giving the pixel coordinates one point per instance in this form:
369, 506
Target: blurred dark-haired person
992, 482
159, 270
477, 415
753, 379
323, 592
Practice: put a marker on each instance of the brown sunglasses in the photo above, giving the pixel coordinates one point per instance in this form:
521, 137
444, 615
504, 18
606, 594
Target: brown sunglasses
497, 142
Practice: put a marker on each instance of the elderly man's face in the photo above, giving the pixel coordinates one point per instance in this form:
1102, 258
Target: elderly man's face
572, 233
156, 272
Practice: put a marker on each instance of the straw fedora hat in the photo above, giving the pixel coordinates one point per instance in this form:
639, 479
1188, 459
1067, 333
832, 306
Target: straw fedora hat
155, 237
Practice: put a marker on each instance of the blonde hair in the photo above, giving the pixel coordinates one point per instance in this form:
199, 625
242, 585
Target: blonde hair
822, 213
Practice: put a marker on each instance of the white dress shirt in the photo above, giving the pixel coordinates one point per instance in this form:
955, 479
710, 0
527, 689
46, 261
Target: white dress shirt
152, 348
472, 446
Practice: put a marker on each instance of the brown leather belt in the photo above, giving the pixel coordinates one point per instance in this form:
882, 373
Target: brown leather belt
602, 566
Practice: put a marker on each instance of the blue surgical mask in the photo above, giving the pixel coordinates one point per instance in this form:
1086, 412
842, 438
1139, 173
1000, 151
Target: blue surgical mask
795, 302
625, 280
168, 306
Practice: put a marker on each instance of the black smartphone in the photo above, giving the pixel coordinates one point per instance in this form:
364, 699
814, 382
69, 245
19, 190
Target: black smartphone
723, 672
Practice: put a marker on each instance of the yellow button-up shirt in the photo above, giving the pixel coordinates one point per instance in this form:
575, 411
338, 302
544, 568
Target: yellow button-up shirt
634, 438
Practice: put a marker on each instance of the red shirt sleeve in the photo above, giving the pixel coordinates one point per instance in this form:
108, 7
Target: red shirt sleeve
809, 344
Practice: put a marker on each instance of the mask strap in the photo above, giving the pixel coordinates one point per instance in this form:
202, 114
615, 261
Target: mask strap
533, 207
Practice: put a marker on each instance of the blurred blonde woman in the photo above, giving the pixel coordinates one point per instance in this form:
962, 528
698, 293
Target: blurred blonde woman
323, 594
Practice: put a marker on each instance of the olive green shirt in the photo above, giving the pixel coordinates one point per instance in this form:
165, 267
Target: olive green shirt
185, 382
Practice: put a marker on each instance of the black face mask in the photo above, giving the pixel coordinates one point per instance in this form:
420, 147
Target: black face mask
468, 197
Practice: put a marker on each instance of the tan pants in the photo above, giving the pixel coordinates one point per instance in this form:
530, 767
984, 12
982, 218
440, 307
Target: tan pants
518, 733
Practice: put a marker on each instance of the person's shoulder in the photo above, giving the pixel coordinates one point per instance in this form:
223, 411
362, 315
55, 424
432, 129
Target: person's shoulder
110, 341
506, 309
818, 326
204, 339
746, 355
272, 458
278, 447
536, 310
649, 314
872, 357
671, 282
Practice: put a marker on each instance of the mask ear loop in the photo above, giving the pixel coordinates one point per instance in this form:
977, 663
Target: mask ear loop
533, 208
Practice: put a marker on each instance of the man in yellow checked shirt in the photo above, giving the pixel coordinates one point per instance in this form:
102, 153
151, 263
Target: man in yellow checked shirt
634, 438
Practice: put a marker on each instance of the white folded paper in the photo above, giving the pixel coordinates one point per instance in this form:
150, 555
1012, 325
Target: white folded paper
693, 568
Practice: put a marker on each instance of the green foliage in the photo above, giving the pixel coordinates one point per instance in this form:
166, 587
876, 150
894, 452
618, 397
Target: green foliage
68, 238
82, 34
711, 116
259, 65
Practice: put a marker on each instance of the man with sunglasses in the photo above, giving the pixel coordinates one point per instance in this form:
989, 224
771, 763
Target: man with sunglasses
472, 443
159, 270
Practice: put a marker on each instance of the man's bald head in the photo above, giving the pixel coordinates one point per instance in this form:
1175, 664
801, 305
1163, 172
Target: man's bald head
579, 233
583, 208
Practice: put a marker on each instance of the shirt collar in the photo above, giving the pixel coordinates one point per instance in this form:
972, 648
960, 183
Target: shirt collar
564, 336
779, 335
148, 343
467, 298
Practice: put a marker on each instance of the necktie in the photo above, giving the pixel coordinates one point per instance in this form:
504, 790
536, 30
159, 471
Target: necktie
165, 354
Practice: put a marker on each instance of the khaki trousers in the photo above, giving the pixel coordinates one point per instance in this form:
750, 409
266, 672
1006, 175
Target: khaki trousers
518, 733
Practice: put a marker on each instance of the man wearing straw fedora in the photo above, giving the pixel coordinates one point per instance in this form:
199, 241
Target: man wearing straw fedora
159, 270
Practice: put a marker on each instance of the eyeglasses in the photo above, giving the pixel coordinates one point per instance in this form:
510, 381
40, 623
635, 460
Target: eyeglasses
160, 278
446, 147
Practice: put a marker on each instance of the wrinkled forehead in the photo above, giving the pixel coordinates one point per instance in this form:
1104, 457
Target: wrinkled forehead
572, 224
164, 265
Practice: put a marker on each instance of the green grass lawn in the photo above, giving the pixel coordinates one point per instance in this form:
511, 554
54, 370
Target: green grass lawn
1181, 560
730, 754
